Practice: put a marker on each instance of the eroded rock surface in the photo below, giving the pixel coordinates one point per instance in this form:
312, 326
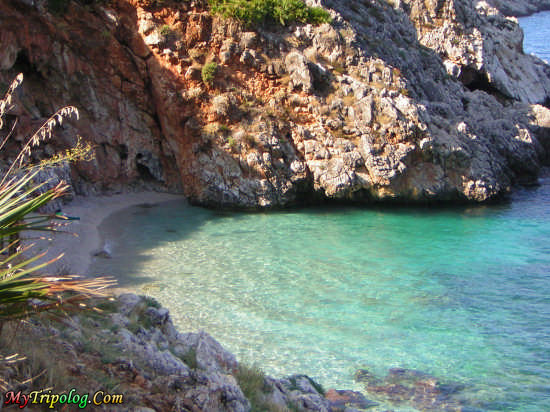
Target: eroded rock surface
406, 101
482, 48
414, 388
521, 7
155, 366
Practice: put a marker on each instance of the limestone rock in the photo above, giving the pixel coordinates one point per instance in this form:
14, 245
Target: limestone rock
139, 346
520, 8
411, 102
210, 355
300, 75
482, 48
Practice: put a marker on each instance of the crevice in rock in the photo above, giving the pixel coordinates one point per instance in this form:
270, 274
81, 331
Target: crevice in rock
149, 167
23, 65
143, 171
123, 151
475, 80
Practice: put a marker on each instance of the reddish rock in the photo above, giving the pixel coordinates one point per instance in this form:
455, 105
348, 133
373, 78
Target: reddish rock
342, 398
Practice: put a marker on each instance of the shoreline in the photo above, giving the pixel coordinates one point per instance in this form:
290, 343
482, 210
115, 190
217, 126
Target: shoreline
528, 14
80, 239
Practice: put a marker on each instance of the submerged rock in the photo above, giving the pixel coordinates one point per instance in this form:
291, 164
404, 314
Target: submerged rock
418, 389
342, 399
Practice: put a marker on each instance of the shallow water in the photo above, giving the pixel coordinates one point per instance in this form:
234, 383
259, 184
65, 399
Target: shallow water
461, 293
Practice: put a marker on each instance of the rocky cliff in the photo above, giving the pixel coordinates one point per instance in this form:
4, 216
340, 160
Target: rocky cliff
129, 347
481, 48
402, 101
520, 8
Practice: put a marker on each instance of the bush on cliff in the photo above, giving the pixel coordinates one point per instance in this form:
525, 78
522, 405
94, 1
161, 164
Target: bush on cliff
256, 12
208, 73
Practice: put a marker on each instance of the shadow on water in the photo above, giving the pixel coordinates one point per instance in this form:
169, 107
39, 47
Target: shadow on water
415, 287
131, 234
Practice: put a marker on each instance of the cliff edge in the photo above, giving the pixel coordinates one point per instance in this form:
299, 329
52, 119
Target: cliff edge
401, 101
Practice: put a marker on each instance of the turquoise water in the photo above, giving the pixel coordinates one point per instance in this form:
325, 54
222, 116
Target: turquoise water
463, 293
537, 34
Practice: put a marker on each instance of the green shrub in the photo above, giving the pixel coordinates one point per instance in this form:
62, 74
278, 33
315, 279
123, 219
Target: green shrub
22, 290
232, 142
165, 30
208, 72
252, 382
224, 129
254, 12
318, 15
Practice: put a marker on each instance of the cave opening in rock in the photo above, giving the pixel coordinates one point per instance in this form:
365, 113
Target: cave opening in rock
475, 80
23, 65
143, 170
144, 173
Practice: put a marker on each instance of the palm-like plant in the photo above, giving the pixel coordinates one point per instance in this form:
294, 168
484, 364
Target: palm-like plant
21, 290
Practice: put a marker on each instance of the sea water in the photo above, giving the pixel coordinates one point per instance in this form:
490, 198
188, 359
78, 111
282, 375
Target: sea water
537, 34
460, 293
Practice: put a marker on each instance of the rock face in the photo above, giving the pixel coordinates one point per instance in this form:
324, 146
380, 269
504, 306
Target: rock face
77, 59
482, 48
520, 8
411, 101
156, 366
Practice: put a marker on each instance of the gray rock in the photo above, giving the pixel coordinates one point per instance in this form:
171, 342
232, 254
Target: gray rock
481, 47
210, 355
159, 317
520, 8
127, 302
154, 39
216, 392
300, 75
398, 129
248, 40
249, 58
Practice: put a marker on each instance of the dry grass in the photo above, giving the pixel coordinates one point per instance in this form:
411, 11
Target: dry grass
34, 361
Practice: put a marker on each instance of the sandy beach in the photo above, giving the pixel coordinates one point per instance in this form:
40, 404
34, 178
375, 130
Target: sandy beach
82, 238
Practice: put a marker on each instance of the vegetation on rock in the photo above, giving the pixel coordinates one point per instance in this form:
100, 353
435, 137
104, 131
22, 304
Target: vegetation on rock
165, 30
20, 198
208, 73
256, 12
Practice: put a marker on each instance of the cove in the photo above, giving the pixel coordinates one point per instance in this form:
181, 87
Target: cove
461, 293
